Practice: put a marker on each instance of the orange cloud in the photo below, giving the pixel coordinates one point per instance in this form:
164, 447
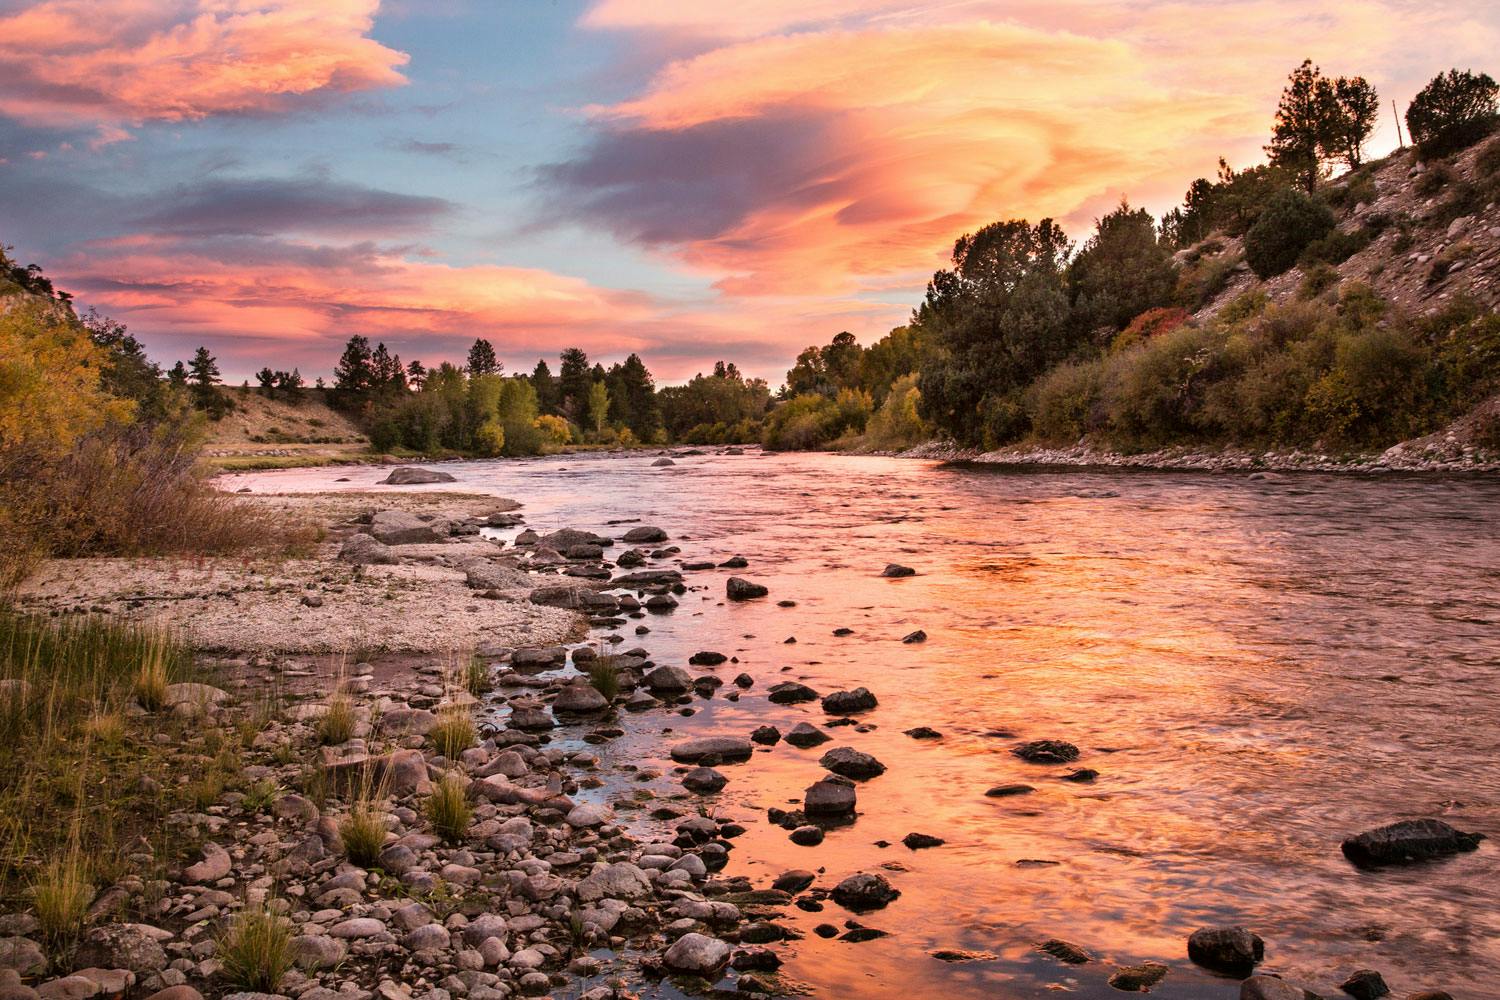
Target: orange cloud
840, 145
113, 62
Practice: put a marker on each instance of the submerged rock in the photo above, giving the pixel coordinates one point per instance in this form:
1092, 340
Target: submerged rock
832, 796
851, 763
1047, 752
704, 780
1230, 950
790, 693
1064, 951
914, 637
896, 570
1408, 841
918, 841
1270, 988
644, 533
1006, 791
1138, 978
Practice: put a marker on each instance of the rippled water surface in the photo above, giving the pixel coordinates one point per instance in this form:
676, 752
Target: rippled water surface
1255, 668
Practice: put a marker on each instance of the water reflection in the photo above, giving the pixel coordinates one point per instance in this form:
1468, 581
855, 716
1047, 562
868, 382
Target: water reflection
1254, 668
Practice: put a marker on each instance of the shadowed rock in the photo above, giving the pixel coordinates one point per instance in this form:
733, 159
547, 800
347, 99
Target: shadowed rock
411, 475
1408, 841
1230, 950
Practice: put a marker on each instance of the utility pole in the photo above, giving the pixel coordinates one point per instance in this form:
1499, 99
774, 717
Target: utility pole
1400, 142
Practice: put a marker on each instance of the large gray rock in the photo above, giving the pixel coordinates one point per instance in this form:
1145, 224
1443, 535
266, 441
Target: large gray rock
411, 475
1231, 950
1408, 841
697, 954
668, 680
644, 533
397, 527
489, 574
724, 748
136, 947
575, 598
564, 539
621, 880
318, 951
579, 698
23, 955
216, 864
366, 550
848, 702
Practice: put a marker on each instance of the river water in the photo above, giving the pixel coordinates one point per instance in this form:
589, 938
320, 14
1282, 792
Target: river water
1256, 669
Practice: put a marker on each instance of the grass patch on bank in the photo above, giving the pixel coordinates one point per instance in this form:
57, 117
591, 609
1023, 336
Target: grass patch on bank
256, 951
448, 809
84, 781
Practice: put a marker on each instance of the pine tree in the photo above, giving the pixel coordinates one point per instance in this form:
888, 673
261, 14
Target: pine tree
574, 380
178, 376
352, 376
416, 375
1356, 106
482, 359
548, 399
1302, 125
639, 406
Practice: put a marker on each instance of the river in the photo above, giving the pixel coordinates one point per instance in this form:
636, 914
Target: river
1256, 668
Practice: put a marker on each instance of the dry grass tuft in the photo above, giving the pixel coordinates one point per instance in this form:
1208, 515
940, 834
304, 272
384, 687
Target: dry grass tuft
362, 832
257, 950
448, 809
605, 677
60, 895
336, 725
453, 733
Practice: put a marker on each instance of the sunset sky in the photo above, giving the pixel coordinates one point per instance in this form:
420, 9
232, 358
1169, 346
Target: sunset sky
270, 176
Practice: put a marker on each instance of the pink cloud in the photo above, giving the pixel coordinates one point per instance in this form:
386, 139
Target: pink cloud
120, 62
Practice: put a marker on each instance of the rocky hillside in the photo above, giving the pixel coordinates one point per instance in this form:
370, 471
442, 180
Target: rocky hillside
1433, 230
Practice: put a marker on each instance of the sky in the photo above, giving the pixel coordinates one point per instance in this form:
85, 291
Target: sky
664, 177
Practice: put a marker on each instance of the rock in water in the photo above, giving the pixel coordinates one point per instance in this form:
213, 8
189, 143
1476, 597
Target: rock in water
832, 796
790, 693
410, 475
852, 763
1231, 950
1366, 984
1138, 978
579, 698
1047, 752
917, 841
848, 702
1270, 988
1064, 951
865, 891
725, 748
914, 637
662, 463
704, 780
1408, 841
645, 533
740, 589
896, 570
804, 736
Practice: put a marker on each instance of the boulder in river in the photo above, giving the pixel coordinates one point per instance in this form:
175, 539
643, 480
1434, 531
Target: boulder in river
1408, 841
803, 736
1366, 984
704, 780
644, 533
851, 763
911, 638
724, 748
790, 693
411, 475
740, 589
896, 571
707, 658
662, 463
849, 702
576, 598
579, 698
831, 796
767, 736
1233, 951
668, 680
865, 891
807, 836
918, 841
923, 733
1046, 752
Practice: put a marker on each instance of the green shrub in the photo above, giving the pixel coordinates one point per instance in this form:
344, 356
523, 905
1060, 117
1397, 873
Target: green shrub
1064, 402
1372, 394
1317, 280
1335, 248
897, 424
1487, 163
1290, 222
1454, 111
1203, 280
813, 421
1151, 323
1152, 394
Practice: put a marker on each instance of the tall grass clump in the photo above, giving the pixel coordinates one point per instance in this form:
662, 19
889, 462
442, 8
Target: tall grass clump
448, 809
453, 733
476, 676
60, 896
362, 832
604, 676
336, 724
256, 951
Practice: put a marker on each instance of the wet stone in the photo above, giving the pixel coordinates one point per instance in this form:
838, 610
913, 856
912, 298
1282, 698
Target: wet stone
1046, 752
1064, 951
